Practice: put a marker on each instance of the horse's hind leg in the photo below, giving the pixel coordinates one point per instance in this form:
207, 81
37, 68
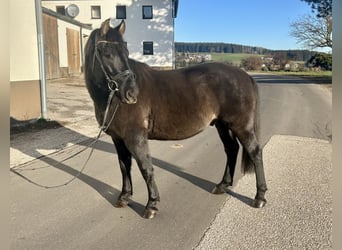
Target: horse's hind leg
125, 162
231, 148
250, 143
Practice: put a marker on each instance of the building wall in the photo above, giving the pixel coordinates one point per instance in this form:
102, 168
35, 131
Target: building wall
63, 44
64, 39
159, 30
24, 65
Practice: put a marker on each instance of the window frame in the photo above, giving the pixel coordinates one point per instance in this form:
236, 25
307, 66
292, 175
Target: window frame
95, 8
59, 8
149, 50
143, 12
123, 8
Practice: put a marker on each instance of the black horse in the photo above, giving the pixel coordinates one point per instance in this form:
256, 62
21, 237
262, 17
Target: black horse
170, 105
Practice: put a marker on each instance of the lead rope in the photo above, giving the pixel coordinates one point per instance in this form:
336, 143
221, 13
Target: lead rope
103, 128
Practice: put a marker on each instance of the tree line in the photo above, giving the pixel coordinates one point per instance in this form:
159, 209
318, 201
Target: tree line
207, 47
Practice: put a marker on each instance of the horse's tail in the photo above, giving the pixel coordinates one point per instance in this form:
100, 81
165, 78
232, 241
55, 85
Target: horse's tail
247, 164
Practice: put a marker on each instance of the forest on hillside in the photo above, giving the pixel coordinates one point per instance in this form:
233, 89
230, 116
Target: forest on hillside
203, 47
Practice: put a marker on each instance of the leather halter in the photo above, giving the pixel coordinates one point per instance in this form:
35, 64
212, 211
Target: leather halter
113, 84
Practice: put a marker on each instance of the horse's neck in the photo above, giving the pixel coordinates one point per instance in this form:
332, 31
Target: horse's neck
99, 94
141, 69
140, 66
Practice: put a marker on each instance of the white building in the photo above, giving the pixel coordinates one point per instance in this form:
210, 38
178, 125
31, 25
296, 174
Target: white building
149, 24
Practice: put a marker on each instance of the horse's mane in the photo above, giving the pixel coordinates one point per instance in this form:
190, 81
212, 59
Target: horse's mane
89, 51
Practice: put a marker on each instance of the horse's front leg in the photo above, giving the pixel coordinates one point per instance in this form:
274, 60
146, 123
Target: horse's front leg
138, 145
125, 162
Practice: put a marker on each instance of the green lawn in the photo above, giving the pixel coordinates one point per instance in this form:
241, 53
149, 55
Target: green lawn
234, 58
306, 73
323, 77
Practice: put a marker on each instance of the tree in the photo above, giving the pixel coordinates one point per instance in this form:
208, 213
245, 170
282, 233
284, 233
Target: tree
315, 31
323, 8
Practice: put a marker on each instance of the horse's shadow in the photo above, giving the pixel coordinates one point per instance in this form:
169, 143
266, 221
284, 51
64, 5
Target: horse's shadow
195, 180
244, 199
108, 192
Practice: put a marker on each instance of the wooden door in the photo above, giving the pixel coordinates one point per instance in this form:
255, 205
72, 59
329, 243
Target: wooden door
51, 47
73, 44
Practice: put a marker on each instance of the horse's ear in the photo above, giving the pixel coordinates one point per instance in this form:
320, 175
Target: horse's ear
122, 27
105, 26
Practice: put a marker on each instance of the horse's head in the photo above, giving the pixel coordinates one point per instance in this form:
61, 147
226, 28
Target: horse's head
112, 55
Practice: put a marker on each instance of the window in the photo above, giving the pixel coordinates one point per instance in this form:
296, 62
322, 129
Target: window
148, 48
95, 12
60, 10
147, 12
120, 12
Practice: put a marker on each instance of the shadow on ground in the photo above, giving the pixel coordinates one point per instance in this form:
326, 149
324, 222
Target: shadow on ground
279, 79
106, 191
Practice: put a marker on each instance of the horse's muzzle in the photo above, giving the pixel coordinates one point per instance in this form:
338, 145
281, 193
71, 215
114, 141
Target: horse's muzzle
130, 97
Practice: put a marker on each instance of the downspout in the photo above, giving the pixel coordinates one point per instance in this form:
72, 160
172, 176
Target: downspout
41, 58
174, 15
81, 45
173, 46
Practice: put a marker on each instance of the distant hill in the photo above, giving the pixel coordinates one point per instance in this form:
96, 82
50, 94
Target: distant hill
204, 47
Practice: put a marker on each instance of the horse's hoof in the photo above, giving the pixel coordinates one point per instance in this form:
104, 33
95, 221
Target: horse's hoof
218, 190
149, 213
258, 203
121, 203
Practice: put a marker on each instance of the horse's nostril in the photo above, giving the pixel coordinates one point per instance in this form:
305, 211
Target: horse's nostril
130, 96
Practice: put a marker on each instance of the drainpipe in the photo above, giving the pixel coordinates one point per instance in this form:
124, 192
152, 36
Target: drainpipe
81, 45
41, 58
173, 46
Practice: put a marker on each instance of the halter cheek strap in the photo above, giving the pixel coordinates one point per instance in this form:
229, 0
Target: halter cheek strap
113, 84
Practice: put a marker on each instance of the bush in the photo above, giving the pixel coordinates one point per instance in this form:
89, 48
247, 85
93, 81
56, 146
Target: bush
321, 60
251, 63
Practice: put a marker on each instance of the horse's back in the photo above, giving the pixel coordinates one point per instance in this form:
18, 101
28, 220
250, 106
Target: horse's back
224, 75
232, 87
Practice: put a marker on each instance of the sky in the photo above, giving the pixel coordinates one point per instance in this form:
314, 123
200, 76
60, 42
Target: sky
262, 23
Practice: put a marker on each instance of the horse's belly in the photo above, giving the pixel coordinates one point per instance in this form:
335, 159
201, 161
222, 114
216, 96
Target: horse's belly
178, 129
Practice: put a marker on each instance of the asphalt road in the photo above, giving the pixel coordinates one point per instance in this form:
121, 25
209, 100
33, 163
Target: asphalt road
294, 106
82, 216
